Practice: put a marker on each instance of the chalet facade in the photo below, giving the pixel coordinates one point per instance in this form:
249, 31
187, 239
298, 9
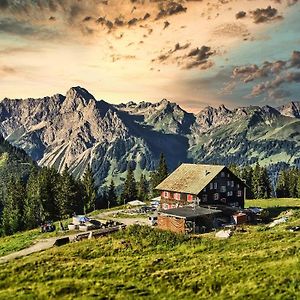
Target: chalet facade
202, 185
194, 196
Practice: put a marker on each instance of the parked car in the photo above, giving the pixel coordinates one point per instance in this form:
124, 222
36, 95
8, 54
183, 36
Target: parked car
47, 227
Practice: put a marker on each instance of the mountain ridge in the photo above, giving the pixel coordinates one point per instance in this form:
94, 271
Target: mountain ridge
76, 130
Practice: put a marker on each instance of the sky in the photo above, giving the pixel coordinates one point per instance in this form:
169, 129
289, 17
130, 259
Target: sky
196, 53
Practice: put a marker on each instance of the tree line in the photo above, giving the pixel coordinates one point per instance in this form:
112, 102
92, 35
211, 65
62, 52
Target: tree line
286, 185
143, 189
46, 195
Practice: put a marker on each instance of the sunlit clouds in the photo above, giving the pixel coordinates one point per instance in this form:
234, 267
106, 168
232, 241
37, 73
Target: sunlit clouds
147, 50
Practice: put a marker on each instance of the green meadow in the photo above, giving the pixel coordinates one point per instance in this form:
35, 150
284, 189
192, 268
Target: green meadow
146, 263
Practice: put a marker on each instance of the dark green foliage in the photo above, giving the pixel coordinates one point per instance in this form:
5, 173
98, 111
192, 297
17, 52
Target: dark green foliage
288, 183
101, 200
88, 183
12, 217
246, 174
69, 196
143, 190
129, 190
159, 174
257, 180
111, 195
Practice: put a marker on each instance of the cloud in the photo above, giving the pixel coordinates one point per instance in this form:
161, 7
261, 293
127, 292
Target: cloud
295, 59
170, 8
166, 24
268, 77
197, 57
262, 15
22, 28
7, 71
241, 14
4, 4
271, 86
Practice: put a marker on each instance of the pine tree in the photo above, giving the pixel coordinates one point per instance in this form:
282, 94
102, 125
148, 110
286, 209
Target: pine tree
111, 195
49, 181
34, 212
158, 175
265, 182
143, 188
89, 190
162, 170
298, 186
246, 174
258, 184
68, 196
282, 184
101, 200
129, 190
293, 175
12, 215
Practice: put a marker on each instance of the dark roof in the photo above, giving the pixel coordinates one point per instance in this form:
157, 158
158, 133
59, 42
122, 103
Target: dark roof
189, 212
190, 178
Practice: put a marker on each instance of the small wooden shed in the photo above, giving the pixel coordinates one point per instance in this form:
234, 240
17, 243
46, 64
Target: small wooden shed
187, 219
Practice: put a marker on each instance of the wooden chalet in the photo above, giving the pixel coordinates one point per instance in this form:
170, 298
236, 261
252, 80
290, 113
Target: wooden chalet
197, 193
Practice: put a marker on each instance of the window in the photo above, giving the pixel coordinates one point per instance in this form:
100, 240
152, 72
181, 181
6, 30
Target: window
166, 194
189, 198
238, 185
229, 193
223, 200
228, 183
228, 175
239, 193
204, 198
215, 185
216, 196
223, 189
211, 185
172, 206
177, 196
222, 174
232, 183
204, 190
165, 206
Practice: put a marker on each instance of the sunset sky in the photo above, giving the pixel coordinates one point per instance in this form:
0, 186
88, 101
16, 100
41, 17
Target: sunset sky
196, 52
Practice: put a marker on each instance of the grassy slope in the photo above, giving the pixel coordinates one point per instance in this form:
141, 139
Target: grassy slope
142, 262
284, 202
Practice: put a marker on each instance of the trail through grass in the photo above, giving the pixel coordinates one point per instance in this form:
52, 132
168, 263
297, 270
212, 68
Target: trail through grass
142, 262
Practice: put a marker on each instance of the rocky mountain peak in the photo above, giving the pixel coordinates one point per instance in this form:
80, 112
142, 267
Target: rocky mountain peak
77, 97
291, 109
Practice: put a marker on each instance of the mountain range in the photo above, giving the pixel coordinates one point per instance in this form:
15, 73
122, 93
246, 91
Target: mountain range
76, 130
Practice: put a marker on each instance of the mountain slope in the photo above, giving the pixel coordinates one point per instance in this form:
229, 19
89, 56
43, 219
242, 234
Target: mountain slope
76, 130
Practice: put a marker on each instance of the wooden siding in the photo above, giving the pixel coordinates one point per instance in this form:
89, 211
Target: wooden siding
171, 223
229, 188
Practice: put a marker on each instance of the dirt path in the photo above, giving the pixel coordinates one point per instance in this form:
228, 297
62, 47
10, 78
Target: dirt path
49, 243
39, 246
